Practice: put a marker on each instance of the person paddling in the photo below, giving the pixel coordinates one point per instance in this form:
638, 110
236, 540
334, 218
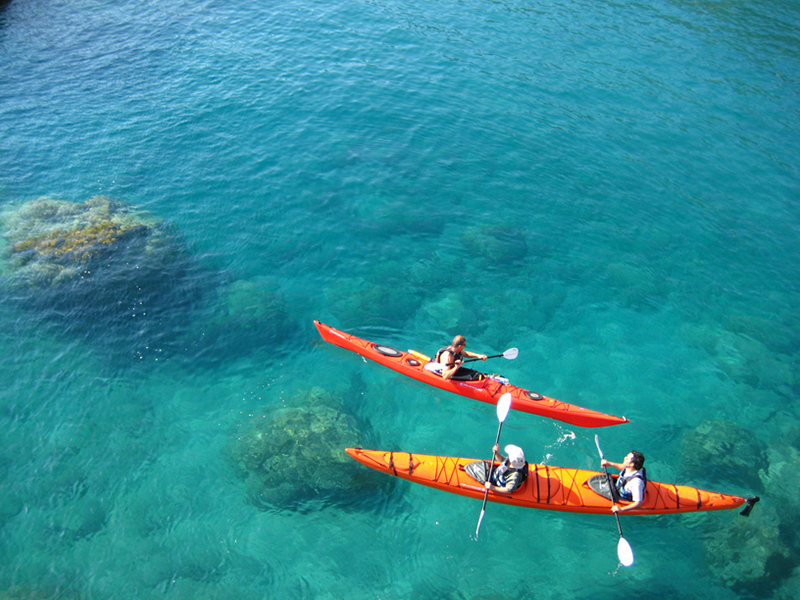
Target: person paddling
453, 356
631, 481
512, 471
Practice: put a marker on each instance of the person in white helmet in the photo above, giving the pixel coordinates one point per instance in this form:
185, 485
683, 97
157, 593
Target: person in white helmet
512, 471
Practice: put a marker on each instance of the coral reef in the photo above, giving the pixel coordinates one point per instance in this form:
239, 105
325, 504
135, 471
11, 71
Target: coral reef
435, 272
634, 285
246, 314
496, 244
781, 482
447, 311
724, 451
50, 241
82, 518
389, 215
790, 587
779, 336
98, 265
530, 307
294, 454
359, 302
744, 359
750, 555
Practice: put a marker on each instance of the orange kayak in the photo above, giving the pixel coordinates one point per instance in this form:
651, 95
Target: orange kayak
550, 488
488, 389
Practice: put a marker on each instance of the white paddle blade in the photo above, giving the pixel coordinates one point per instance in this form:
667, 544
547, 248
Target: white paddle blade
478, 528
511, 353
597, 443
624, 552
503, 406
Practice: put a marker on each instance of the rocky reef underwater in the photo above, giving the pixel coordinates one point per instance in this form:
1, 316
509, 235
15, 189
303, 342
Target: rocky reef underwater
293, 455
756, 556
117, 276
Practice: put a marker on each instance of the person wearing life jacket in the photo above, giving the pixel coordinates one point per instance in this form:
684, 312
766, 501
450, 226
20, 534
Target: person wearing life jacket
512, 471
453, 356
631, 481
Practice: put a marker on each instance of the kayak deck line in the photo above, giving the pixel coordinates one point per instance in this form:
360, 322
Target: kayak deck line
546, 487
412, 364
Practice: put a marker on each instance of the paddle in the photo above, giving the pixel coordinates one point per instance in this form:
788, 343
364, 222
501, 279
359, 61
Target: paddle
751, 502
503, 405
510, 354
624, 550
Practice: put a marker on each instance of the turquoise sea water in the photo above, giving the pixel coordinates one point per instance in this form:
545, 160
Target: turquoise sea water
611, 187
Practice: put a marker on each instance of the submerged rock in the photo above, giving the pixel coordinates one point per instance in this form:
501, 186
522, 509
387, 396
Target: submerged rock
750, 555
355, 301
724, 451
790, 588
781, 483
529, 306
295, 454
776, 333
79, 519
53, 241
498, 245
744, 359
634, 285
246, 314
97, 265
447, 311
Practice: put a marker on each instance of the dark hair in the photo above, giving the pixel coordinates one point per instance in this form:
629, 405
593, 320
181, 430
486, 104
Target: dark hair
638, 459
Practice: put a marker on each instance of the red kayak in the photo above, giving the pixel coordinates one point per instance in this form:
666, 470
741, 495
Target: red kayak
488, 389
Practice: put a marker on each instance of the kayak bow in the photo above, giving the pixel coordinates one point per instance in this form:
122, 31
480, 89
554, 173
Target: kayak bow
488, 389
550, 488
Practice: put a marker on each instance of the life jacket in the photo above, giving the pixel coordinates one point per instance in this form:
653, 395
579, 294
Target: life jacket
456, 355
503, 470
623, 480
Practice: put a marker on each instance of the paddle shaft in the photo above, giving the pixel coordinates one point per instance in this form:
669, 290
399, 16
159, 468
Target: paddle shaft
503, 406
488, 357
510, 354
611, 490
624, 552
489, 478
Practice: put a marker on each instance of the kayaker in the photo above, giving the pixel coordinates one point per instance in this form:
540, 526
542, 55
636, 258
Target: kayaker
631, 482
452, 357
512, 471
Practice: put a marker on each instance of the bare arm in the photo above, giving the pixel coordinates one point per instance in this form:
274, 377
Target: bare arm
608, 463
633, 506
499, 490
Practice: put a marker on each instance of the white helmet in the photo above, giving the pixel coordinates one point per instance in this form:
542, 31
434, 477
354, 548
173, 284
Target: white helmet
516, 457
